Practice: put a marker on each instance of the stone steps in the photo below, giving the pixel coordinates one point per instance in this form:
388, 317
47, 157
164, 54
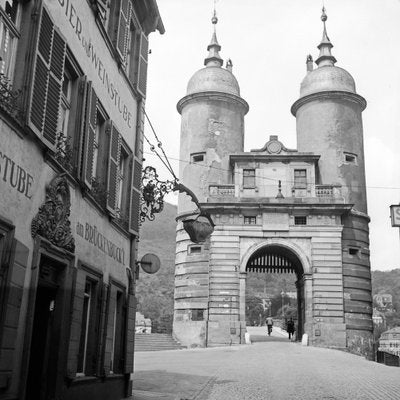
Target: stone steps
155, 342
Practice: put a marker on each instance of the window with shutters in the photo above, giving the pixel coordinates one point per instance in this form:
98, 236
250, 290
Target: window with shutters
88, 342
47, 85
9, 34
131, 44
67, 136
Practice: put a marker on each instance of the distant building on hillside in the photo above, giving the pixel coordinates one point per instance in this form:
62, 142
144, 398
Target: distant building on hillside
383, 301
389, 342
378, 317
142, 324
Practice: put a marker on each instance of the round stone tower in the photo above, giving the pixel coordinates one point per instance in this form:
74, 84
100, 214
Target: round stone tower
212, 129
212, 126
329, 123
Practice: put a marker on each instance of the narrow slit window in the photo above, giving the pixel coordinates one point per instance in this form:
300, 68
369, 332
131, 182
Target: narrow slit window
197, 158
194, 249
353, 251
350, 158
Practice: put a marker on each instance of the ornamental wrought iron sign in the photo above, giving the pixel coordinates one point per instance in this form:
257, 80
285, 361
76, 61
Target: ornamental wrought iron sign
152, 202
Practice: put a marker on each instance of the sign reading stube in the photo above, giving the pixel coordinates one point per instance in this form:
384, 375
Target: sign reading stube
395, 215
16, 176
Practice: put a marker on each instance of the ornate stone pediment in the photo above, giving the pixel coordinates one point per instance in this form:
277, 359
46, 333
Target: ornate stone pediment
52, 220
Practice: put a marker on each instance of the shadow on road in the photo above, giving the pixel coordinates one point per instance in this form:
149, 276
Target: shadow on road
160, 384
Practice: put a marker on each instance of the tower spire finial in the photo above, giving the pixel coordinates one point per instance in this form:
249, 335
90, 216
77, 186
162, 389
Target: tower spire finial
325, 55
214, 59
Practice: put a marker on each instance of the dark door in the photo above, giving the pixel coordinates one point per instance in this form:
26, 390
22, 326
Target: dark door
43, 357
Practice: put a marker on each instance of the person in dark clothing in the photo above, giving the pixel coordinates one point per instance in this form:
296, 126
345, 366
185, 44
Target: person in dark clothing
269, 322
290, 328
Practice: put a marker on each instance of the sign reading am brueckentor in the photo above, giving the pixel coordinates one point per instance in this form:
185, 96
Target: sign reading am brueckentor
93, 236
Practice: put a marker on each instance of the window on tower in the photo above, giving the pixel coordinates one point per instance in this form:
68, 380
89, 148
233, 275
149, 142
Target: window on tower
197, 157
350, 158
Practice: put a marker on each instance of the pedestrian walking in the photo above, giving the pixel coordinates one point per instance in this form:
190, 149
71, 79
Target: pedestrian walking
269, 322
290, 327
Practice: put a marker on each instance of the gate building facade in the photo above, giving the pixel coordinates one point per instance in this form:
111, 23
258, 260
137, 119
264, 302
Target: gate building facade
275, 209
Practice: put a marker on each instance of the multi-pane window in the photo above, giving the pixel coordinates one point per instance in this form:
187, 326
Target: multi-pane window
300, 220
300, 178
250, 220
249, 178
9, 34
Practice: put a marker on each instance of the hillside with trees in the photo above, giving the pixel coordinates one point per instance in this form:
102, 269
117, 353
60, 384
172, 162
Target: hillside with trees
155, 292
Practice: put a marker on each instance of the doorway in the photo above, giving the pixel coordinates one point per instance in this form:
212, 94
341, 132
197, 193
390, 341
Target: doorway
44, 349
274, 288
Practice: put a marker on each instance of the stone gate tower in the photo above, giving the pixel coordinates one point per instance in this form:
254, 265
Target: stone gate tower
275, 209
329, 123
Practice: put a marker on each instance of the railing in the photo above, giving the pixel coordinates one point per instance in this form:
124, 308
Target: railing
321, 191
9, 98
327, 191
222, 190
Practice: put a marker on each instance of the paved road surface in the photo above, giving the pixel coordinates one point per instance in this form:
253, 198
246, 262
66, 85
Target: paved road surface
276, 369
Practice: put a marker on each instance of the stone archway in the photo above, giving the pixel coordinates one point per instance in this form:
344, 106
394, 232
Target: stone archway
278, 255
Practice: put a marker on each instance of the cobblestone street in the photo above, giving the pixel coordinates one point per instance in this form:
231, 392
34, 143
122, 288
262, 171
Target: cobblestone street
274, 370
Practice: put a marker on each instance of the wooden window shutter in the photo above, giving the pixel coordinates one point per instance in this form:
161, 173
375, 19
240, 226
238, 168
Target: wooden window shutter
89, 135
130, 333
135, 198
142, 65
113, 166
47, 81
102, 6
123, 28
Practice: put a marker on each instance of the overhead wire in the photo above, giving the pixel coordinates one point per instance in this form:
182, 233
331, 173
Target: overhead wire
275, 180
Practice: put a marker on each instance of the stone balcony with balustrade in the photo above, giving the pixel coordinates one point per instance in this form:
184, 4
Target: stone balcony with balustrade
322, 194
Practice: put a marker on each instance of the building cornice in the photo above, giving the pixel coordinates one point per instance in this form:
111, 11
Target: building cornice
329, 95
252, 156
212, 95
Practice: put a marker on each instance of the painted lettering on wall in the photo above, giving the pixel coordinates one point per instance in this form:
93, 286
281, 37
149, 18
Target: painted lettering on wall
93, 236
102, 74
15, 176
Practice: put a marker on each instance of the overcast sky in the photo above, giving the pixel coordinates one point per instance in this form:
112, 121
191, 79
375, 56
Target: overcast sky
268, 41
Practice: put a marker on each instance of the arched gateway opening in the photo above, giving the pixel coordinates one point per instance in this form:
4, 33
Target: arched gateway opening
274, 259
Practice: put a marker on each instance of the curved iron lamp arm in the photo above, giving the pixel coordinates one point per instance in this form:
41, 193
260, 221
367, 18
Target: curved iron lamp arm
152, 202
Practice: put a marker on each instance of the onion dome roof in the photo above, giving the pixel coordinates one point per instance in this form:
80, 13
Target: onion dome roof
327, 77
213, 77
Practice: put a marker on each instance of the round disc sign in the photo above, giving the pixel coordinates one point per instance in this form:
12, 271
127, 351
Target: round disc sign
150, 263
